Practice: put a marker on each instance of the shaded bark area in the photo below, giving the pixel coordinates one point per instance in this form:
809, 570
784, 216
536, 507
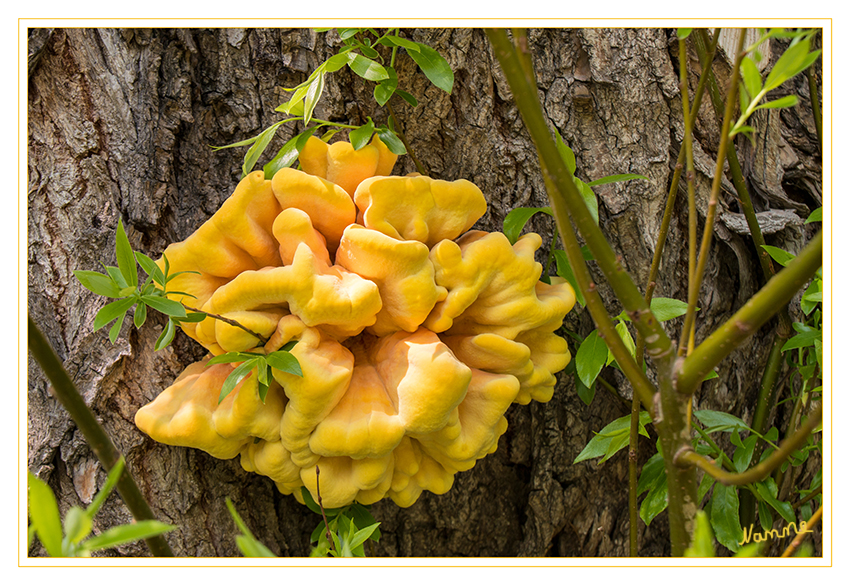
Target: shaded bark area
120, 123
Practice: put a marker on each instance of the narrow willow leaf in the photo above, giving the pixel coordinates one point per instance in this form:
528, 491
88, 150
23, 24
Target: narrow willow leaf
336, 62
115, 274
76, 525
720, 421
584, 393
126, 258
744, 453
289, 345
163, 305
116, 328
140, 315
362, 518
403, 43
237, 375
230, 357
99, 284
784, 102
166, 337
516, 219
782, 257
289, 152
246, 142
256, 151
285, 362
391, 140
434, 66
111, 481
653, 479
359, 137
112, 311
567, 154
591, 357
617, 179
385, 89
127, 533
346, 33
805, 339
312, 97
367, 68
612, 438
816, 215
666, 309
191, 318
565, 271
769, 493
248, 545
683, 33
589, 198
362, 535
44, 515
623, 331
151, 269
751, 76
794, 60
407, 97
724, 516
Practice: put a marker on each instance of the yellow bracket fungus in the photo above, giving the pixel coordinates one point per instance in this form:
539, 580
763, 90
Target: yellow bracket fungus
414, 334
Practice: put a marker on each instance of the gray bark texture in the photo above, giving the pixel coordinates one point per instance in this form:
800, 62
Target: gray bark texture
120, 126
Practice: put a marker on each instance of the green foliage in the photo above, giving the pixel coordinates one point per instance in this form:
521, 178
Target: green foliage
71, 537
349, 527
612, 438
796, 59
364, 52
122, 282
258, 363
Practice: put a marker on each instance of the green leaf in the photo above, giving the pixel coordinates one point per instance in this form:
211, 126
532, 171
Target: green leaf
720, 421
591, 357
589, 198
666, 309
567, 154
683, 33
346, 33
126, 258
516, 219
77, 524
769, 493
612, 438
140, 315
794, 60
816, 215
116, 328
752, 77
362, 518
285, 362
653, 478
616, 179
309, 501
744, 453
127, 533
313, 95
191, 318
781, 256
359, 137
166, 337
385, 89
248, 545
288, 153
434, 66
565, 271
702, 541
151, 269
367, 68
403, 43
111, 481
99, 284
407, 97
163, 305
806, 339
256, 151
112, 311
230, 357
389, 138
765, 516
237, 375
784, 102
362, 535
623, 331
44, 515
724, 516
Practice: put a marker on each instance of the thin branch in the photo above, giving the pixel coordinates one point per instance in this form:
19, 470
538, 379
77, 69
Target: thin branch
400, 133
708, 230
761, 307
228, 321
322, 508
100, 443
757, 472
798, 540
690, 178
818, 491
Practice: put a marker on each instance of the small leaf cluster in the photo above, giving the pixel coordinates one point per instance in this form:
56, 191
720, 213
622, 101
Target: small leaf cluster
349, 526
611, 439
360, 53
260, 363
122, 283
722, 508
796, 59
70, 538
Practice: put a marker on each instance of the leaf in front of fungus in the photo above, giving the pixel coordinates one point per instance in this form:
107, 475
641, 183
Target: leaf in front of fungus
517, 218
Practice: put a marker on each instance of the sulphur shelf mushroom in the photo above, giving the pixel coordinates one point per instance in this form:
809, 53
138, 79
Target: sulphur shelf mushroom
414, 334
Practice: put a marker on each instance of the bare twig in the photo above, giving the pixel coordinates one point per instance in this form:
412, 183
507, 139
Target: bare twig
322, 508
228, 321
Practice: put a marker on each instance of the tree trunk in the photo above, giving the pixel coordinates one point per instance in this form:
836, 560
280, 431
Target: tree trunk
120, 126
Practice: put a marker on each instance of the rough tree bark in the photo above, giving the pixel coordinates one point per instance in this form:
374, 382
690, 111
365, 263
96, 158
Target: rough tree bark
120, 123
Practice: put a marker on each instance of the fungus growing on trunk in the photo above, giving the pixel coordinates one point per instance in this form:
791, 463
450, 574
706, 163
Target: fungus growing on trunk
414, 335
